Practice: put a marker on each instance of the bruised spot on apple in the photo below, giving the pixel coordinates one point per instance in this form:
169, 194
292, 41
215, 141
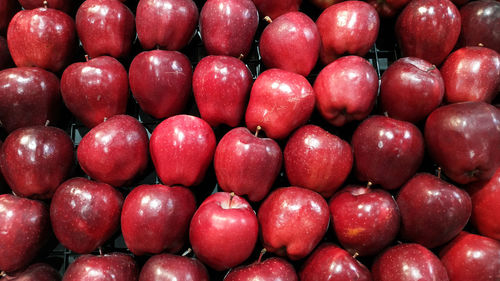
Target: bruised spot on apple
99, 268
169, 267
272, 269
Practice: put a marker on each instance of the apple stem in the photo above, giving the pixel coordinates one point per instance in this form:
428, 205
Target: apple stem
105, 119
187, 252
262, 252
268, 19
386, 114
369, 184
431, 68
45, 4
439, 172
231, 198
257, 130
241, 56
355, 255
157, 46
86, 57
100, 251
47, 123
480, 44
2, 274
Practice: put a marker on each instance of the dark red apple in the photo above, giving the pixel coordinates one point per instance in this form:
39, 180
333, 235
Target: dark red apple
115, 151
221, 86
35, 272
317, 160
409, 262
63, 5
432, 211
290, 42
155, 218
95, 90
387, 151
388, 8
161, 82
29, 96
114, 266
428, 29
168, 24
272, 269
364, 220
223, 231
280, 102
346, 90
35, 160
8, 8
471, 74
166, 267
332, 263
464, 139
227, 27
479, 19
5, 59
410, 89
349, 27
24, 229
276, 8
41, 37
472, 257
293, 221
246, 164
182, 147
105, 27
85, 214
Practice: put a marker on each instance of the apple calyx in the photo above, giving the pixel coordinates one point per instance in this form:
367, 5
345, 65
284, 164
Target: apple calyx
187, 252
268, 19
257, 130
262, 252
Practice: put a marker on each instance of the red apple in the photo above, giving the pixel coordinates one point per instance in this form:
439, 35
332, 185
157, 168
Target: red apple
329, 262
409, 262
246, 164
291, 42
161, 82
276, 8
223, 231
63, 5
115, 151
85, 214
346, 90
293, 221
166, 267
317, 160
428, 29
479, 19
114, 266
227, 27
24, 229
410, 89
35, 160
8, 8
29, 96
221, 86
95, 90
155, 218
105, 27
182, 147
464, 139
387, 151
364, 220
5, 59
272, 269
388, 8
41, 37
349, 27
280, 102
471, 74
35, 272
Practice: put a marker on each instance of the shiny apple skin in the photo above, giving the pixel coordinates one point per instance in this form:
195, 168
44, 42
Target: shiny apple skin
472, 257
246, 164
109, 267
409, 262
276, 8
291, 42
29, 96
432, 211
332, 263
95, 90
387, 151
115, 151
221, 86
317, 160
293, 221
62, 5
410, 89
272, 269
8, 8
35, 272
166, 267
346, 90
428, 29
105, 27
160, 82
464, 139
24, 229
356, 38
479, 19
35, 160
41, 37
169, 24
155, 218
85, 214
280, 102
223, 231
182, 147
471, 74
5, 59
388, 8
364, 220
228, 27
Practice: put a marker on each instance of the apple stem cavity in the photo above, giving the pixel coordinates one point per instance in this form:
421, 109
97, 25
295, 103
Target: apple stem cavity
268, 19
257, 130
187, 252
262, 252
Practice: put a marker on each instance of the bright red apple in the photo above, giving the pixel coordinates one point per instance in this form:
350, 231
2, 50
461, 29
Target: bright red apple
272, 269
166, 267
63, 5
5, 59
8, 8
479, 18
114, 266
35, 272
275, 8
